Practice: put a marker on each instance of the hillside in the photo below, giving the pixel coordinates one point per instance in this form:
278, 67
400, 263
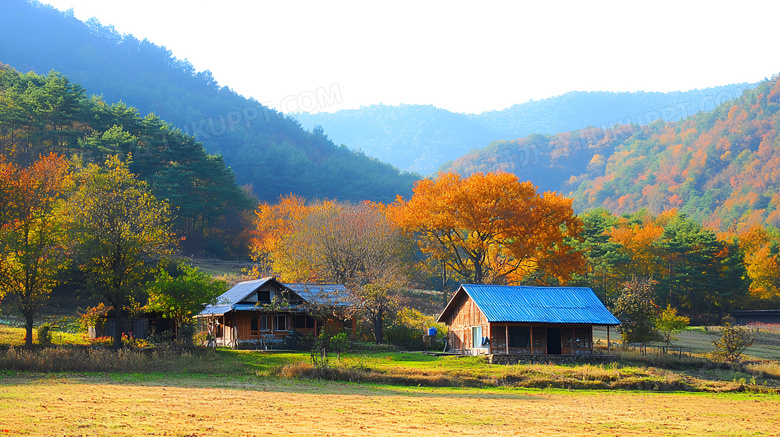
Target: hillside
422, 138
47, 114
263, 147
721, 167
412, 137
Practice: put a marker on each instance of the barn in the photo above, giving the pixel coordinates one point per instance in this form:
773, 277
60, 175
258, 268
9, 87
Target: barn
501, 319
265, 312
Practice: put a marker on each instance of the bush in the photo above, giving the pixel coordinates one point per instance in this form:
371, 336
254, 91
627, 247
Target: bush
732, 342
44, 334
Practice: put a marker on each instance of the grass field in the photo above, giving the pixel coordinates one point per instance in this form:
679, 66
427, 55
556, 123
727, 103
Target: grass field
187, 406
231, 392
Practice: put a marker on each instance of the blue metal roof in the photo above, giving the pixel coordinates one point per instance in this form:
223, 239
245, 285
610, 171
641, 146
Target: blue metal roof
504, 303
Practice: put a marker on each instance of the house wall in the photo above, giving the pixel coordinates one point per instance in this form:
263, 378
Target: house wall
462, 322
574, 339
234, 328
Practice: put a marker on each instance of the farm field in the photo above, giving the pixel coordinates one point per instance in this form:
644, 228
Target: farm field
186, 406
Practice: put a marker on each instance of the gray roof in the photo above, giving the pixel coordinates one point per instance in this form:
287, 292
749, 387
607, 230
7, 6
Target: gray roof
325, 294
504, 303
241, 290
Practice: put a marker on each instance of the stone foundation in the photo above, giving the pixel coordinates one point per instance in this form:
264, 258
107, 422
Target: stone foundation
551, 359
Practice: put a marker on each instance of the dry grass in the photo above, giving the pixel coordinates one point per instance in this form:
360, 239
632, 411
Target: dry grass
585, 376
90, 406
82, 359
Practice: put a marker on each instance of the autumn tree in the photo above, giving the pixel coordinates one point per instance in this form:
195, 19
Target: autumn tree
670, 323
761, 246
351, 244
491, 228
733, 340
33, 229
120, 228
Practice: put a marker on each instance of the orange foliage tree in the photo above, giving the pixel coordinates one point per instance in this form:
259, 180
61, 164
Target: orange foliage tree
32, 232
492, 228
762, 252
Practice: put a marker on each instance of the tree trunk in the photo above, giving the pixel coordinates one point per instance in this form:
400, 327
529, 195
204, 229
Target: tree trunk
378, 325
28, 340
118, 326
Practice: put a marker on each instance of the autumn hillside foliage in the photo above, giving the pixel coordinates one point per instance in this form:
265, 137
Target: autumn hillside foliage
720, 167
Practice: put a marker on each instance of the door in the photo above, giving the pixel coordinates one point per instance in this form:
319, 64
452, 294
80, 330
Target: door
553, 341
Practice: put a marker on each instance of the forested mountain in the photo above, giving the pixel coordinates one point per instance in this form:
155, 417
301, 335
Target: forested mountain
412, 137
720, 167
422, 138
263, 147
47, 114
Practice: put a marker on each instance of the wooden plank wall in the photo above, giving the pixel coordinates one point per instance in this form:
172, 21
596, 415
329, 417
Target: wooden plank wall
466, 316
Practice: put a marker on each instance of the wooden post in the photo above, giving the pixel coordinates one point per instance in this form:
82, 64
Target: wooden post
507, 339
609, 346
591, 339
546, 340
490, 339
531, 329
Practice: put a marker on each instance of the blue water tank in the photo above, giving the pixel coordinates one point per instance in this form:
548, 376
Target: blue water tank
432, 332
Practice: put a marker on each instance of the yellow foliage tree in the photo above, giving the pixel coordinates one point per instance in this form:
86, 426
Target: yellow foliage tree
119, 227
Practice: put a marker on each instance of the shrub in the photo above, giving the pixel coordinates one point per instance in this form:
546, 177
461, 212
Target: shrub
733, 341
338, 343
44, 334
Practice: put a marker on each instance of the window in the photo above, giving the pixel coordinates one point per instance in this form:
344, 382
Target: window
303, 321
264, 296
253, 326
281, 323
476, 336
264, 323
519, 336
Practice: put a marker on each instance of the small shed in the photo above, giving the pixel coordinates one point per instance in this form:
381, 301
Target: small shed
502, 319
754, 317
266, 311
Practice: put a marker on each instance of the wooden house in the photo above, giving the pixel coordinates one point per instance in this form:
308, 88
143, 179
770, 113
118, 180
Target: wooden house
493, 319
265, 312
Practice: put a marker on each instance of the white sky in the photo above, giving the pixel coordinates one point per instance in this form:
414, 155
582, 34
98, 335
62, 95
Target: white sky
462, 56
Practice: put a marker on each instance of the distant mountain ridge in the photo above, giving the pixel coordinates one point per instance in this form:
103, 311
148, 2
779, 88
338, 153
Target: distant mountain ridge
422, 138
262, 146
721, 167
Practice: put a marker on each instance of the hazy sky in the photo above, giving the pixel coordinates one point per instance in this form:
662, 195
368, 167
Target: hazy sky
463, 56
